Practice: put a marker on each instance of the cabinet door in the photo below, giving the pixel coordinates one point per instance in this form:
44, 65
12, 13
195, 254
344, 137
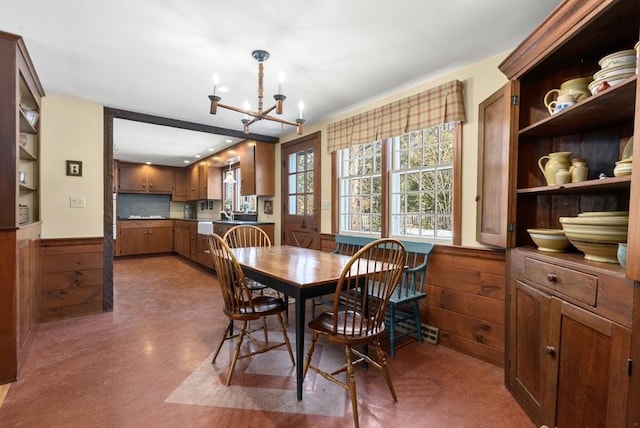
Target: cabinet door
159, 180
497, 125
529, 350
159, 240
132, 178
177, 233
592, 380
180, 185
132, 241
214, 183
193, 242
204, 257
247, 169
264, 166
194, 182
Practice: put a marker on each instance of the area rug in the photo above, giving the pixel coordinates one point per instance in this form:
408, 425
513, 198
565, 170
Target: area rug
275, 376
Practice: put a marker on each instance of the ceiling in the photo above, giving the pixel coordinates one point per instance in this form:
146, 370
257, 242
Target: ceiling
158, 57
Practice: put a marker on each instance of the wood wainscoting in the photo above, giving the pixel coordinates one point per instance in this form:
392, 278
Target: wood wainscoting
466, 300
71, 275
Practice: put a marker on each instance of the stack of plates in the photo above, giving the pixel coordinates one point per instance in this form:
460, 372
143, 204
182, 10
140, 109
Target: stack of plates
615, 68
625, 165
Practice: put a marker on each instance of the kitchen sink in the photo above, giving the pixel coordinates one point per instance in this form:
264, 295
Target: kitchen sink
205, 227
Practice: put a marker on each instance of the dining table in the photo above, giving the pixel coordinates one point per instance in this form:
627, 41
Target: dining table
300, 273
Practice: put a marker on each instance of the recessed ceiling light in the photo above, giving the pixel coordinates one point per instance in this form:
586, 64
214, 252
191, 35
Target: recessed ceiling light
196, 156
211, 149
148, 163
228, 141
185, 161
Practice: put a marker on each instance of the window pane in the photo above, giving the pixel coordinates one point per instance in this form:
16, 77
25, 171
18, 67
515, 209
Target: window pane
421, 183
292, 205
292, 162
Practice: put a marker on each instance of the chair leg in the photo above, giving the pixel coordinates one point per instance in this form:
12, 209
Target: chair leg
266, 331
236, 353
229, 331
383, 363
392, 330
351, 380
416, 319
286, 338
307, 362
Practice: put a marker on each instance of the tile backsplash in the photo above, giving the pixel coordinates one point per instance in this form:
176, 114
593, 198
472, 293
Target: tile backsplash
132, 204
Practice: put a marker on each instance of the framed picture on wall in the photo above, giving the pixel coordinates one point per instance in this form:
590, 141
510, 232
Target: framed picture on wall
74, 168
268, 207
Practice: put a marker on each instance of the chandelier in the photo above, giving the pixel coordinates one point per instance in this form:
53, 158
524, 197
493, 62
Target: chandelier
261, 56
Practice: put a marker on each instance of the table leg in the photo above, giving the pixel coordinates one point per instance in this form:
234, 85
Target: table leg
299, 345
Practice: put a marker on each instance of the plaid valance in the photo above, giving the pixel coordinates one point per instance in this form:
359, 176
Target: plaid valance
441, 104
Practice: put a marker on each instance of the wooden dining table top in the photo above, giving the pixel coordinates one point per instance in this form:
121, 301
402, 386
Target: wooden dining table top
301, 267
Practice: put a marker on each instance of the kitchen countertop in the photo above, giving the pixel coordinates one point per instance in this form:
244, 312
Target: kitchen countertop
198, 219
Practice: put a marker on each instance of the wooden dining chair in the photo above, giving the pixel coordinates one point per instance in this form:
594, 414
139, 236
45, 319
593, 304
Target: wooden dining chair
248, 235
357, 319
241, 305
347, 245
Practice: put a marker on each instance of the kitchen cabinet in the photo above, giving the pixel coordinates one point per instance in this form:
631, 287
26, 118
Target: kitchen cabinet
204, 256
20, 212
561, 338
257, 168
181, 185
205, 181
141, 178
184, 235
568, 353
144, 237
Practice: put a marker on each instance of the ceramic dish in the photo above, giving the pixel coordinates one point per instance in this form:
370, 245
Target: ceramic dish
604, 213
615, 73
593, 86
627, 152
550, 240
617, 58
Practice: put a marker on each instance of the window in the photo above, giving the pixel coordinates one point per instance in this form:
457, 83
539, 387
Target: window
418, 182
421, 183
233, 200
360, 172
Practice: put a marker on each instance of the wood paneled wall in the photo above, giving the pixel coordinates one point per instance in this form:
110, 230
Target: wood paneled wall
72, 278
466, 301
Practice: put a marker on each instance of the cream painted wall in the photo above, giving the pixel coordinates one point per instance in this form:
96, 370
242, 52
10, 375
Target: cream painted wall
71, 129
481, 79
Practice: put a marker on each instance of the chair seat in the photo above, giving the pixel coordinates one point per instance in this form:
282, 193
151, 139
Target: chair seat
406, 296
262, 305
344, 334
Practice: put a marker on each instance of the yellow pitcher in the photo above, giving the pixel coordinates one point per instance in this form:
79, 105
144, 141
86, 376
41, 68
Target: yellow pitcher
555, 162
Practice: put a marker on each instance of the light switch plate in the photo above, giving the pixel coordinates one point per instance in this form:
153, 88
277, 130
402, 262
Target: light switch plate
77, 201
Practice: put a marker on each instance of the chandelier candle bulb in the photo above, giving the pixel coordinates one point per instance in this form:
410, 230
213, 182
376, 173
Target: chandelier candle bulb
301, 110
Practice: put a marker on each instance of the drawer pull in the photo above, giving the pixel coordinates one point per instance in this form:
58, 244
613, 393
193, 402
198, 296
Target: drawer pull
550, 350
552, 277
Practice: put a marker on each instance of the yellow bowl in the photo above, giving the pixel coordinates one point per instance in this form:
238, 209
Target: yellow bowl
551, 240
598, 252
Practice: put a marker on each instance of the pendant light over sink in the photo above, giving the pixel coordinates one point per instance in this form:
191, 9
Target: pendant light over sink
261, 56
229, 178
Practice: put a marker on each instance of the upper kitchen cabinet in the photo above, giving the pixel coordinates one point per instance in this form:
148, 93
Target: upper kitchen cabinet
139, 178
204, 181
181, 185
257, 168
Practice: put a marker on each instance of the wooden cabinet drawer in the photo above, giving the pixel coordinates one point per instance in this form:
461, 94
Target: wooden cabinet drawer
575, 284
